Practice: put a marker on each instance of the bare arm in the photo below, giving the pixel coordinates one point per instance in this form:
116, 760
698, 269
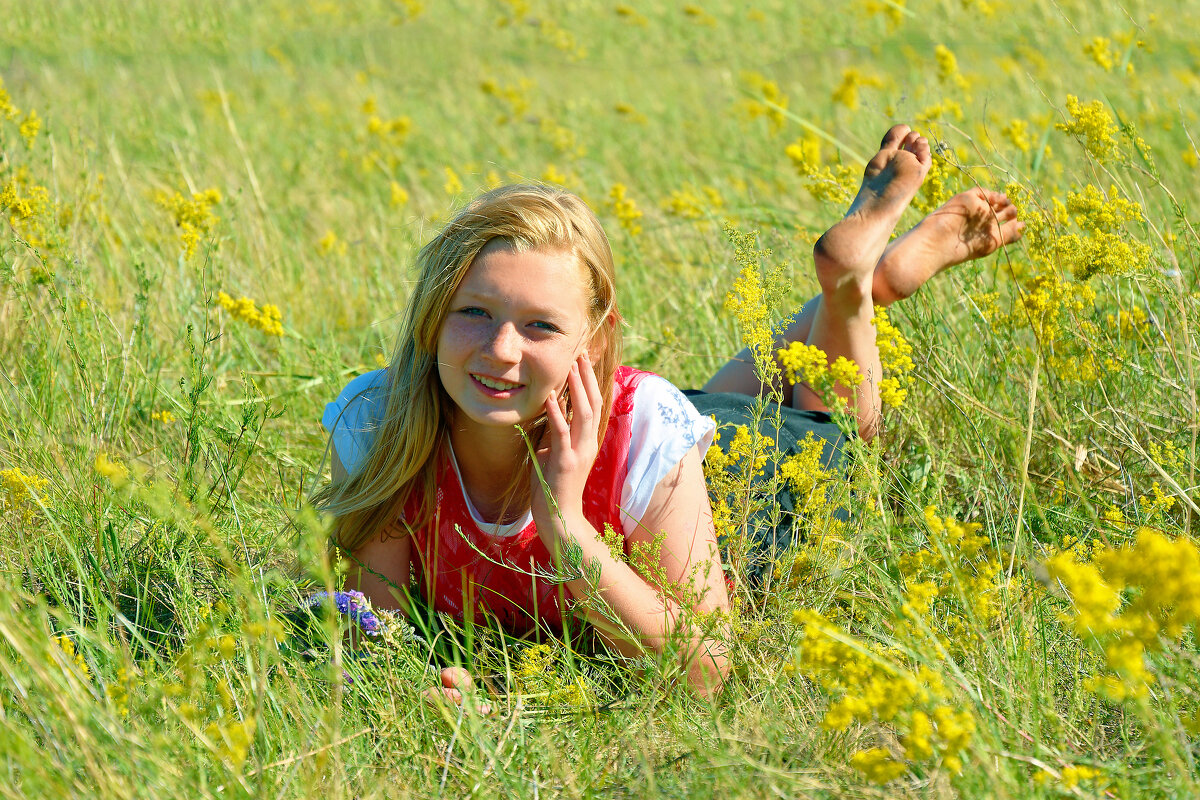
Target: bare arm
381, 566
689, 565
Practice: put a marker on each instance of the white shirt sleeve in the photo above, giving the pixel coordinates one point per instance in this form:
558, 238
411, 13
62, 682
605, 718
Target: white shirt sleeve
664, 427
353, 418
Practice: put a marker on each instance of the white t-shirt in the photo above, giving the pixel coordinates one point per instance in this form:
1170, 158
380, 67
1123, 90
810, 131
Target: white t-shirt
664, 426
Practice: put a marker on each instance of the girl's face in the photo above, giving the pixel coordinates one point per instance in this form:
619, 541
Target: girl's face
515, 326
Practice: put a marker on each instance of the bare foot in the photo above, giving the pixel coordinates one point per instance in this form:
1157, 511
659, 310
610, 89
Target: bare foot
970, 225
846, 255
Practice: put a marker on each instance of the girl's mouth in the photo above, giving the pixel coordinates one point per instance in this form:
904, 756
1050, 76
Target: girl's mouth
494, 387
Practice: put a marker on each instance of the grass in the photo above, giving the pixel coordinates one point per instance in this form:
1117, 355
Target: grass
1055, 408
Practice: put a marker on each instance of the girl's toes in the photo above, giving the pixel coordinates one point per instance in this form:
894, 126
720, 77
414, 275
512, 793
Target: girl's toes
894, 137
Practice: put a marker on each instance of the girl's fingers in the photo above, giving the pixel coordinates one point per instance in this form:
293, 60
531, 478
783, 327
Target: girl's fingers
457, 678
559, 429
581, 405
592, 385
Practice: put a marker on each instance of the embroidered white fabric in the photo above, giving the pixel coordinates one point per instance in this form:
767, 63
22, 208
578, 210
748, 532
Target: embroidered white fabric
664, 427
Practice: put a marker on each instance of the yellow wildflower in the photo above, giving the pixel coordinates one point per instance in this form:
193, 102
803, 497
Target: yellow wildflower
267, 319
877, 765
625, 209
193, 217
29, 128
1093, 125
115, 471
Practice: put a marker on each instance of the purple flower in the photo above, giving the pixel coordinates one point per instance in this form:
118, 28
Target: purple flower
354, 605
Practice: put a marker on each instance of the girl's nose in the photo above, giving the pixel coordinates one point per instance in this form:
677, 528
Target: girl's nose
505, 345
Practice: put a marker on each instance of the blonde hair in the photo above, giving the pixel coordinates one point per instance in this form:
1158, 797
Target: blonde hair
402, 463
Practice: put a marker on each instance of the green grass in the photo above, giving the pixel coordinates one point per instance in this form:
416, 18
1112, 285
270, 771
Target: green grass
106, 321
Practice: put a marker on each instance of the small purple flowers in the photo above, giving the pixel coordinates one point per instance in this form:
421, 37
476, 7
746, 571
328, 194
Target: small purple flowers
354, 605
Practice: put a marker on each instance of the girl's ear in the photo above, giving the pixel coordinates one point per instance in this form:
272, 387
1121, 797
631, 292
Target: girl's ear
600, 339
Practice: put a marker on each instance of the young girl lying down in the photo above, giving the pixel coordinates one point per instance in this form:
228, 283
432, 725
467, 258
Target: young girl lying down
511, 343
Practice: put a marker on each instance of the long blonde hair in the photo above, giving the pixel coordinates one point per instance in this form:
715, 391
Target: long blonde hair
403, 460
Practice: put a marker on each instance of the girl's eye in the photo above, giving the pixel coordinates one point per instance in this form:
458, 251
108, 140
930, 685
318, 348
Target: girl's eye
472, 311
546, 326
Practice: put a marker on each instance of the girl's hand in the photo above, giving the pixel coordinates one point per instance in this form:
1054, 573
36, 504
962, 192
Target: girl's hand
455, 682
566, 460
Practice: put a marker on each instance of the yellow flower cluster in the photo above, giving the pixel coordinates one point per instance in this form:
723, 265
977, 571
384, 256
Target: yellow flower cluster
513, 97
1129, 599
1102, 249
688, 203
193, 217
392, 132
20, 492
1047, 298
453, 186
871, 685
1017, 132
116, 472
119, 691
631, 15
805, 477
750, 300
895, 356
330, 244
699, 16
947, 68
891, 10
538, 674
27, 205
74, 657
1132, 324
561, 39
804, 363
1093, 126
1100, 49
727, 472
1071, 776
937, 186
625, 209
230, 738
164, 417
267, 319
743, 445
1154, 505
955, 575
829, 184
561, 138
770, 103
853, 79
27, 128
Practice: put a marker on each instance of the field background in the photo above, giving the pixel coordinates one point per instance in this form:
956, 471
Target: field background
155, 441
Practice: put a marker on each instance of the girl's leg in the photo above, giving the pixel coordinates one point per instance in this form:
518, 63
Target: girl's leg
970, 225
845, 258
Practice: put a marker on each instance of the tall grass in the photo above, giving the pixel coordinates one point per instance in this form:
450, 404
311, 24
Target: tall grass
158, 446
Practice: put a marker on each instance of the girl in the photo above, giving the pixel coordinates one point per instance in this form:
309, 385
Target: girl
503, 443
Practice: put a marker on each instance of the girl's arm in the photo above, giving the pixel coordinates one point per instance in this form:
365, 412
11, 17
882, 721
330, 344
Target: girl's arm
380, 571
653, 616
380, 565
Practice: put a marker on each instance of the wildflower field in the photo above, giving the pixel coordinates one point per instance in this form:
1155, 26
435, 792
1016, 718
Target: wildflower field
210, 211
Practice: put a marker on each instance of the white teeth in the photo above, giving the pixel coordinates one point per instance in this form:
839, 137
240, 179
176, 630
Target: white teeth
497, 385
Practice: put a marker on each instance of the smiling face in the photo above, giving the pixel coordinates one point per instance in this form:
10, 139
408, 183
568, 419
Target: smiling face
514, 327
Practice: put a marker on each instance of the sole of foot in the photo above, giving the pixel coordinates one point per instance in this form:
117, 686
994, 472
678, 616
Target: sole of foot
846, 255
970, 225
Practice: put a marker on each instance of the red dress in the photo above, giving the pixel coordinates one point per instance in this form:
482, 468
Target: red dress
461, 568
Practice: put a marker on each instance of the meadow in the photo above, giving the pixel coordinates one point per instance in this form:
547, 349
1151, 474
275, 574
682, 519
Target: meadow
210, 213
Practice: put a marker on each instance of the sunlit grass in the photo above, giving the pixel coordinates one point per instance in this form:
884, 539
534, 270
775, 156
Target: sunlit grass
210, 213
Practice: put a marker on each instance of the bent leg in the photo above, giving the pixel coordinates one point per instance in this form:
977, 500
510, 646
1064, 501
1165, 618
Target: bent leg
970, 225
